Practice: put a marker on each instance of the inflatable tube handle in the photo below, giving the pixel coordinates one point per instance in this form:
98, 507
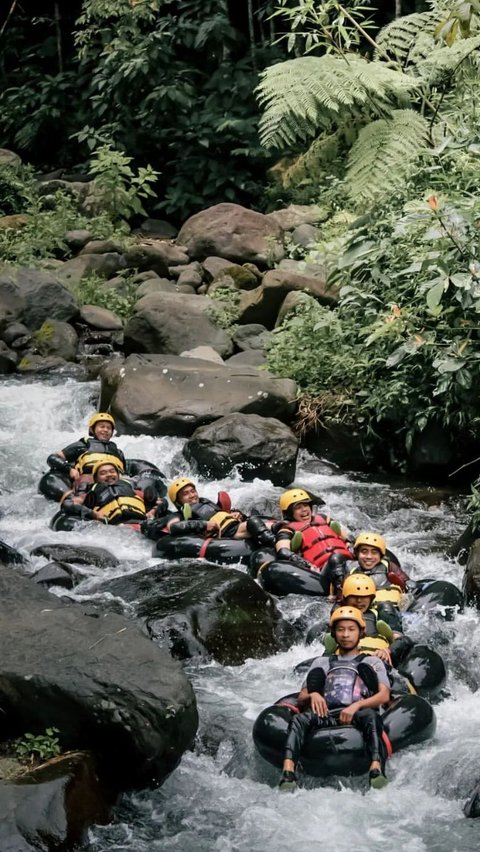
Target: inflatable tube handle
387, 744
224, 501
294, 708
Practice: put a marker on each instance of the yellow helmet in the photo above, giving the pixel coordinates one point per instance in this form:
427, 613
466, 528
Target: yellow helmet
347, 613
101, 416
289, 498
177, 486
358, 584
113, 460
372, 539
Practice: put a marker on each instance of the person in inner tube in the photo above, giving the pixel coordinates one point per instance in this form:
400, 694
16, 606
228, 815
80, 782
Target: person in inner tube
371, 554
344, 689
109, 499
323, 545
198, 516
77, 460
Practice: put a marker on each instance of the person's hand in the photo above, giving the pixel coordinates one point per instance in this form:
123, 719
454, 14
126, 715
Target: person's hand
97, 516
318, 704
384, 655
348, 713
212, 529
74, 474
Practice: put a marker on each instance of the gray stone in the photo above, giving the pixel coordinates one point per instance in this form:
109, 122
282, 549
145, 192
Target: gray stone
168, 322
104, 265
190, 278
157, 229
13, 331
11, 300
195, 608
157, 255
101, 247
295, 215
100, 318
257, 446
32, 363
9, 158
263, 304
252, 336
213, 266
290, 304
97, 679
53, 805
8, 359
168, 395
250, 358
57, 338
305, 235
77, 239
204, 353
231, 231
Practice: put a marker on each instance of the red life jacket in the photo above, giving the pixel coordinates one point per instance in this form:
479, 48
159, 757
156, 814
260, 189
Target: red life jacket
319, 541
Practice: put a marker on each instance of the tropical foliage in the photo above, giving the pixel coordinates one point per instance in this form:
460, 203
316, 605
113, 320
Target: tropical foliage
401, 352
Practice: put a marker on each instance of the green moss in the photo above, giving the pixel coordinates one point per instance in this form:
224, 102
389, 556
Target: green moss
25, 363
45, 333
242, 278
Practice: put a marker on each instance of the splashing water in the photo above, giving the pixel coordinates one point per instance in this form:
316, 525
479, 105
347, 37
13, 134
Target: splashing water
222, 796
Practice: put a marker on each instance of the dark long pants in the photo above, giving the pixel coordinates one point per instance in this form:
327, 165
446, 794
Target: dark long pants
366, 720
333, 573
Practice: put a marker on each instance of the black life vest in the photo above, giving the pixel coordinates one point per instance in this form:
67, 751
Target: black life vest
207, 510
117, 502
95, 451
348, 680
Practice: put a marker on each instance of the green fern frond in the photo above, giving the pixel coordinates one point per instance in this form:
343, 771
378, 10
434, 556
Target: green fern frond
447, 59
399, 39
384, 153
305, 95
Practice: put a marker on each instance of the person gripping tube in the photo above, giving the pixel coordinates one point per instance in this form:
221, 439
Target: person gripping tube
109, 499
371, 554
76, 461
323, 545
344, 689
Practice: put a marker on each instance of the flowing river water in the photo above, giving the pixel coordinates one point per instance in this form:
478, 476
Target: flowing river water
222, 796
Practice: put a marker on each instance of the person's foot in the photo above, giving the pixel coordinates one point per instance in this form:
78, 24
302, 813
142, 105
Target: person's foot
288, 782
377, 779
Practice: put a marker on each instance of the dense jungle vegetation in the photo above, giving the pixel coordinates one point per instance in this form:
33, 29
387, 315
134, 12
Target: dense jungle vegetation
369, 109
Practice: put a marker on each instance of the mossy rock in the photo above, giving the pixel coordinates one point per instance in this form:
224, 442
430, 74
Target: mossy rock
240, 277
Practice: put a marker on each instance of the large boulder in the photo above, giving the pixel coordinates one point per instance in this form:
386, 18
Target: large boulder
11, 299
161, 395
262, 304
256, 446
100, 318
8, 359
172, 322
44, 297
104, 265
233, 232
298, 214
157, 256
196, 608
92, 675
52, 806
55, 337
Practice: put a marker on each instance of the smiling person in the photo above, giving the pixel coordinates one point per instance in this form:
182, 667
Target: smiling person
76, 461
371, 554
323, 547
109, 500
199, 516
347, 688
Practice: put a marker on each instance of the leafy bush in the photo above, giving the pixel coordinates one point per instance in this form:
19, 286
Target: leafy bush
122, 190
95, 291
225, 310
32, 748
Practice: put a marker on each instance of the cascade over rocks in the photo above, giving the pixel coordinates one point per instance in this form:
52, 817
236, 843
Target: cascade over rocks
233, 232
106, 687
168, 395
196, 608
257, 446
170, 323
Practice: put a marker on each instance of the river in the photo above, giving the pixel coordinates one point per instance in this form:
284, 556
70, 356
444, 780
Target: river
222, 796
